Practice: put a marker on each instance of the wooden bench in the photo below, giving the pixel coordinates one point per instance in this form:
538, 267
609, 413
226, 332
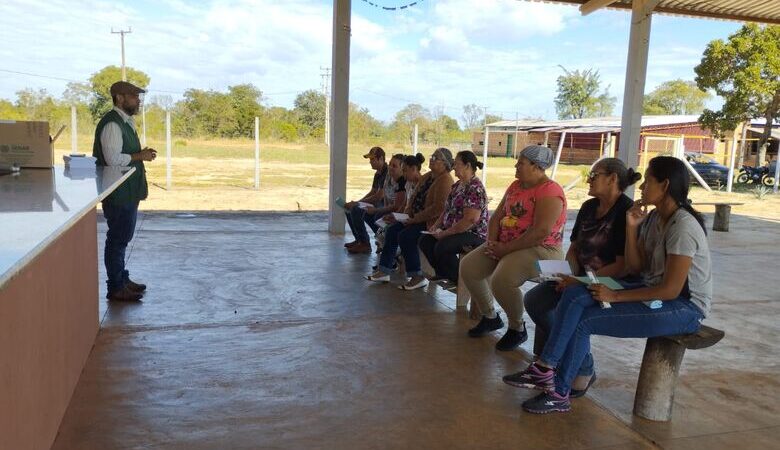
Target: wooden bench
722, 214
661, 362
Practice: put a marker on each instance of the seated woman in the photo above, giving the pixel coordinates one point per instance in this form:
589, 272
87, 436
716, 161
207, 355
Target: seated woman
597, 241
668, 247
411, 167
526, 226
394, 191
426, 205
463, 222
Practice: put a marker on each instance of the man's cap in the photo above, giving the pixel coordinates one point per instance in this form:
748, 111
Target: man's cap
376, 152
123, 87
540, 155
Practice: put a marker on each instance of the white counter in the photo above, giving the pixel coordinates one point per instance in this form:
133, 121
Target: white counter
38, 205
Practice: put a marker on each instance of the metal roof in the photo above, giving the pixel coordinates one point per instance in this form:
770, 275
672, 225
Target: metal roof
593, 124
774, 133
763, 11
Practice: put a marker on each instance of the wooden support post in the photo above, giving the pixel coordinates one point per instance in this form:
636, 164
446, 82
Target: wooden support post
722, 216
657, 379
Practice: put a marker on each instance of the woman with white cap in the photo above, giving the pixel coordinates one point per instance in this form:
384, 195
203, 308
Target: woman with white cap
526, 227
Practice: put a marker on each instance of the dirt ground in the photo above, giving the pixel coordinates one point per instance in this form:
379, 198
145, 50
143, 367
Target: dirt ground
292, 187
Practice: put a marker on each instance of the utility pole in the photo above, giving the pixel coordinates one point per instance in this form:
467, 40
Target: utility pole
325, 74
122, 34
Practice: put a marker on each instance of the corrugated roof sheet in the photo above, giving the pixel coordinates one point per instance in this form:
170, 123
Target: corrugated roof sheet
764, 11
594, 123
774, 133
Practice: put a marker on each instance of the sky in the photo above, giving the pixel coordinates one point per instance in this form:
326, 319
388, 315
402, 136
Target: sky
443, 54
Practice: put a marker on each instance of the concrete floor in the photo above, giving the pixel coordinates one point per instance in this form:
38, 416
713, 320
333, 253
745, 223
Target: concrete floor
258, 332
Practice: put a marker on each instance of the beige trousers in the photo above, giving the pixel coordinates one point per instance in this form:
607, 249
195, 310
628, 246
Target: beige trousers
505, 277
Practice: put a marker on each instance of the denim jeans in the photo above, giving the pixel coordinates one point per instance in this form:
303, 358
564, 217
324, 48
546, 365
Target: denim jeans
443, 253
406, 237
540, 303
121, 227
578, 316
357, 218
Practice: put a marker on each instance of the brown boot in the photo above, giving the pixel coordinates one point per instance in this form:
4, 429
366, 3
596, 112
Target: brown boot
351, 244
360, 247
135, 287
124, 295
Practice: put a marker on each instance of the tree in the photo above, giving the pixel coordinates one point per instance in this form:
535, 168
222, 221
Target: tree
245, 101
100, 82
745, 71
491, 118
310, 111
406, 118
472, 117
578, 95
676, 97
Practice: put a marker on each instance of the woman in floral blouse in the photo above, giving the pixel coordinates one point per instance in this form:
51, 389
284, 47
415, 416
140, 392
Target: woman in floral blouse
463, 223
526, 227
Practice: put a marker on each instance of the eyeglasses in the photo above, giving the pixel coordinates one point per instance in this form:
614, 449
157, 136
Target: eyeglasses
592, 175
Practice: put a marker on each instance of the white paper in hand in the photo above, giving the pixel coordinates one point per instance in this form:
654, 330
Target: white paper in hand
550, 268
401, 217
364, 205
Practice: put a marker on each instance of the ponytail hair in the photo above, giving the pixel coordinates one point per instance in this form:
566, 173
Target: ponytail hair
468, 158
414, 160
664, 168
626, 176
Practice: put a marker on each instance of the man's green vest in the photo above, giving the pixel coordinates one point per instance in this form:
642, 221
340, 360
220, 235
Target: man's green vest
134, 189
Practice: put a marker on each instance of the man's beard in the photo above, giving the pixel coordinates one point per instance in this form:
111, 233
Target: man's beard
131, 110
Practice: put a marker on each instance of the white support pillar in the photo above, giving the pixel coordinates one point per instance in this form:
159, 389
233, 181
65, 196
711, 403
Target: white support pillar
414, 142
168, 149
636, 73
257, 153
606, 151
777, 173
485, 157
74, 140
732, 159
558, 155
339, 130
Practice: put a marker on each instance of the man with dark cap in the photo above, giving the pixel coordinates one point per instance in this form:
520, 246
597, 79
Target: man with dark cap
357, 217
117, 144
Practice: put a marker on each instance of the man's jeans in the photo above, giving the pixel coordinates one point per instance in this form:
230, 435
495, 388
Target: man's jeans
357, 218
121, 226
578, 316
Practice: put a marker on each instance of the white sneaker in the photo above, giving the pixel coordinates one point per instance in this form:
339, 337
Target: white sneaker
380, 278
419, 285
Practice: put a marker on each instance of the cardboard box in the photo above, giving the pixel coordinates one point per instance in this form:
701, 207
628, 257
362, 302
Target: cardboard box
26, 144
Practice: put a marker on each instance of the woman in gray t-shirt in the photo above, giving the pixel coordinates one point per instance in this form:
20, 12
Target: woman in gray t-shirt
668, 248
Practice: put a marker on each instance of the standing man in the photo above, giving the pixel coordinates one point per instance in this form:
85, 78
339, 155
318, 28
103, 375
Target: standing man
117, 144
357, 216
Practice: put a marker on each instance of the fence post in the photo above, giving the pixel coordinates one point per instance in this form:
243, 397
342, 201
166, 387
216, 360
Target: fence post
168, 155
257, 153
74, 143
414, 142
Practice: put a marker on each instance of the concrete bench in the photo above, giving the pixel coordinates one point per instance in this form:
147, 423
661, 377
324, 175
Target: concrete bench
722, 214
660, 368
